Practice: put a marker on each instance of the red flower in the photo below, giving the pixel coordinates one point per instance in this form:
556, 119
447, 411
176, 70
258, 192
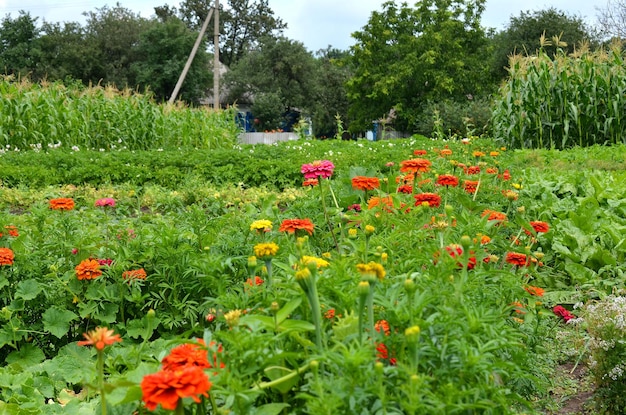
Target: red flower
167, 387
294, 225
190, 354
381, 351
472, 170
355, 207
420, 152
536, 291
447, 180
564, 313
470, 186
100, 338
365, 183
12, 230
382, 326
6, 256
310, 182
494, 215
107, 201
406, 189
515, 258
456, 251
433, 199
539, 227
505, 176
415, 166
256, 282
134, 274
88, 269
323, 168
62, 203
329, 314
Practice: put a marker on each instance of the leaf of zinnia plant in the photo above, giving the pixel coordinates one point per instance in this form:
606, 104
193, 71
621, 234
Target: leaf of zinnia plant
57, 321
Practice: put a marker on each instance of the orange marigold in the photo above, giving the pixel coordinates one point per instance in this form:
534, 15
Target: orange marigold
167, 387
62, 203
415, 166
88, 269
365, 183
100, 338
6, 256
447, 180
515, 258
134, 274
294, 225
433, 199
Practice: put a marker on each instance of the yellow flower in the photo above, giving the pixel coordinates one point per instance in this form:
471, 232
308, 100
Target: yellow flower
232, 317
305, 260
265, 250
352, 233
326, 255
494, 154
303, 274
372, 268
262, 225
517, 186
369, 229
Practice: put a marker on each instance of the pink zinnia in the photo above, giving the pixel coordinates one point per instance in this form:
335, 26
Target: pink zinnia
563, 312
107, 201
321, 168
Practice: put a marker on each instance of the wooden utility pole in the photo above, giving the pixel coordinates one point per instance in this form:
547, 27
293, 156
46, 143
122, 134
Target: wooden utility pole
216, 56
196, 45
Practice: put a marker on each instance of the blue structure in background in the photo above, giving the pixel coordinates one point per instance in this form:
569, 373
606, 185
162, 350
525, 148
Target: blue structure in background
245, 120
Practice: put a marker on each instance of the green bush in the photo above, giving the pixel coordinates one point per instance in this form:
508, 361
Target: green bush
467, 118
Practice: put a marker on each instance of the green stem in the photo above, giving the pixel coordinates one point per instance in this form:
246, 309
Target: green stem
100, 369
370, 312
316, 313
330, 228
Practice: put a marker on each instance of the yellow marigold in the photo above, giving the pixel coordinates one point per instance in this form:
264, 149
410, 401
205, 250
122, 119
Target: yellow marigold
232, 317
265, 250
262, 225
372, 268
305, 260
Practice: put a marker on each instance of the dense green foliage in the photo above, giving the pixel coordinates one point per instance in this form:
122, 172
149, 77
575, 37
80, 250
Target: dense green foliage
563, 101
39, 117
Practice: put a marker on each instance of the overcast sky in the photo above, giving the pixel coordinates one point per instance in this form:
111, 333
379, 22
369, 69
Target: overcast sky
316, 23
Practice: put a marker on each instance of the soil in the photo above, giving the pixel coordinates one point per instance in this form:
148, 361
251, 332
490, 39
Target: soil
575, 396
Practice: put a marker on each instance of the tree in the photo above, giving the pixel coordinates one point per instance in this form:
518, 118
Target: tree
161, 55
330, 97
406, 56
242, 25
17, 48
612, 19
279, 70
523, 33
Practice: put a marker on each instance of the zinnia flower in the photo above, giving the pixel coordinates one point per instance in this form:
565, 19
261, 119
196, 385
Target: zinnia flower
254, 282
262, 225
310, 182
329, 314
447, 180
107, 201
433, 199
88, 269
445, 152
382, 326
539, 227
100, 338
265, 250
415, 166
456, 251
6, 256
564, 313
536, 291
493, 215
167, 387
62, 203
134, 274
381, 351
386, 202
365, 183
515, 258
406, 189
505, 176
472, 170
190, 354
12, 230
323, 168
294, 225
420, 152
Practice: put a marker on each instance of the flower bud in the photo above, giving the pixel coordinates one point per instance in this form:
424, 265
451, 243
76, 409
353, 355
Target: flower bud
409, 286
363, 287
466, 242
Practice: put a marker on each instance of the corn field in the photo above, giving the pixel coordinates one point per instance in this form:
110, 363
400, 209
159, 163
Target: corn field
564, 101
40, 116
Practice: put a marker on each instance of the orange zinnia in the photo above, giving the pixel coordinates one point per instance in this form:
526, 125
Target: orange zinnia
406, 189
540, 227
494, 215
62, 203
447, 180
472, 170
134, 274
100, 338
433, 199
365, 183
382, 326
12, 230
420, 152
515, 258
190, 354
386, 202
310, 182
6, 256
88, 269
470, 186
167, 387
445, 152
415, 166
294, 225
536, 291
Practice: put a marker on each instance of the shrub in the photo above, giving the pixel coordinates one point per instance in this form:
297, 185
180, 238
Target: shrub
467, 118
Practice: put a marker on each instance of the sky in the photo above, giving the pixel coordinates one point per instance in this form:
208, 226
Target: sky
315, 23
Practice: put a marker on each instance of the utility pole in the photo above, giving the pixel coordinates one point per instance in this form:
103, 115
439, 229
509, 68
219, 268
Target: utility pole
196, 45
216, 56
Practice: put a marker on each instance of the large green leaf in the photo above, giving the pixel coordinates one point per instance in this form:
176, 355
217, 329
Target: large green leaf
28, 289
57, 321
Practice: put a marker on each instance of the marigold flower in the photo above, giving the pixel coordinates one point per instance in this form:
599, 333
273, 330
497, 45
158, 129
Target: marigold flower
6, 256
365, 183
134, 274
516, 258
564, 313
100, 338
478, 153
294, 225
447, 180
494, 153
415, 166
319, 262
62, 203
88, 269
382, 326
321, 168
167, 387
433, 199
265, 250
493, 215
107, 201
371, 268
310, 182
262, 225
536, 291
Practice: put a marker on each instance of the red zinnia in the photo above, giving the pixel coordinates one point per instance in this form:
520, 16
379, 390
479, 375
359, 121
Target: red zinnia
88, 269
62, 203
406, 189
539, 227
381, 351
365, 183
294, 225
420, 152
448, 180
190, 354
494, 215
433, 199
470, 186
562, 312
472, 170
310, 182
505, 176
167, 387
415, 166
6, 256
515, 258
321, 168
329, 314
456, 251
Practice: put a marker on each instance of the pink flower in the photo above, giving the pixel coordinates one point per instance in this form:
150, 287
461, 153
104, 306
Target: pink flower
321, 168
106, 262
74, 251
107, 201
562, 312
